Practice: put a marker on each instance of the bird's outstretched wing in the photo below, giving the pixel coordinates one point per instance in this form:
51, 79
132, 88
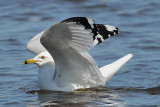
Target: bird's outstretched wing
98, 32
34, 44
68, 42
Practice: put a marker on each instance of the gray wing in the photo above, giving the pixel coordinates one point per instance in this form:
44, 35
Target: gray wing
68, 42
99, 33
34, 44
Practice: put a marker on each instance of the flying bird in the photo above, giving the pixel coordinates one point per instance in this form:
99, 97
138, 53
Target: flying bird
63, 58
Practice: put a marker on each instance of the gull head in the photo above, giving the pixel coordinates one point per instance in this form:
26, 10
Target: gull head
40, 59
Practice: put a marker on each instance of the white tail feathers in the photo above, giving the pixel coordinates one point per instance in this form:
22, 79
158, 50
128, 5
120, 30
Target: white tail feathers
109, 70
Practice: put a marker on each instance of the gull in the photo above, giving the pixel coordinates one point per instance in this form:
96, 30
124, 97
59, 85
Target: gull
63, 58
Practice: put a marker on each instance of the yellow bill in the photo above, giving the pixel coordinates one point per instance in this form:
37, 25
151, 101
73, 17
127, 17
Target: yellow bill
28, 61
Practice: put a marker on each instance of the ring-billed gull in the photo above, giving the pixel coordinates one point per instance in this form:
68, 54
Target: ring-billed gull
63, 58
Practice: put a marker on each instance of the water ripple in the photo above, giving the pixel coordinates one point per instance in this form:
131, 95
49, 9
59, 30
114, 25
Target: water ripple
137, 83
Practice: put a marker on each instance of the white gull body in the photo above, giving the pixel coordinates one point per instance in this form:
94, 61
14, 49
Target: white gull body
63, 58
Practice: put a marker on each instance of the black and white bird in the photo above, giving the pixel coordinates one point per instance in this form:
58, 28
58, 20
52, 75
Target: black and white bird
63, 58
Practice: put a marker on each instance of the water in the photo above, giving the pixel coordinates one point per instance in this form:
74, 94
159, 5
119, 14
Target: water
136, 84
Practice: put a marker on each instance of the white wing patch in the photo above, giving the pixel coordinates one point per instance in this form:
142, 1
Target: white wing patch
110, 28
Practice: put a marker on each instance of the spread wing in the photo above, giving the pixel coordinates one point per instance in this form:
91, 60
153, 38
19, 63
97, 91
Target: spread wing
68, 42
34, 44
98, 32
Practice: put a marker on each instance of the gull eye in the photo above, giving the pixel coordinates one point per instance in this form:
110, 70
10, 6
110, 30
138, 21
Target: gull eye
42, 57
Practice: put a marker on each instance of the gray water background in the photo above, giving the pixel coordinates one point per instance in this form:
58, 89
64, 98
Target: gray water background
136, 84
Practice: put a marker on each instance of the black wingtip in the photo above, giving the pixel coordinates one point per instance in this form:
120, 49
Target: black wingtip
100, 31
85, 21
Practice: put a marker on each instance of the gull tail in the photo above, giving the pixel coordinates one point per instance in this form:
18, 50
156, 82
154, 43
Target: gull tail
108, 71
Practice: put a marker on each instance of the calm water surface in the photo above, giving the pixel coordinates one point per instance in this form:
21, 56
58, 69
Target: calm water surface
136, 84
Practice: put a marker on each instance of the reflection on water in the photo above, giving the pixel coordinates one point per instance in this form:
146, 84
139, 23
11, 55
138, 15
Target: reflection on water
101, 96
95, 96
